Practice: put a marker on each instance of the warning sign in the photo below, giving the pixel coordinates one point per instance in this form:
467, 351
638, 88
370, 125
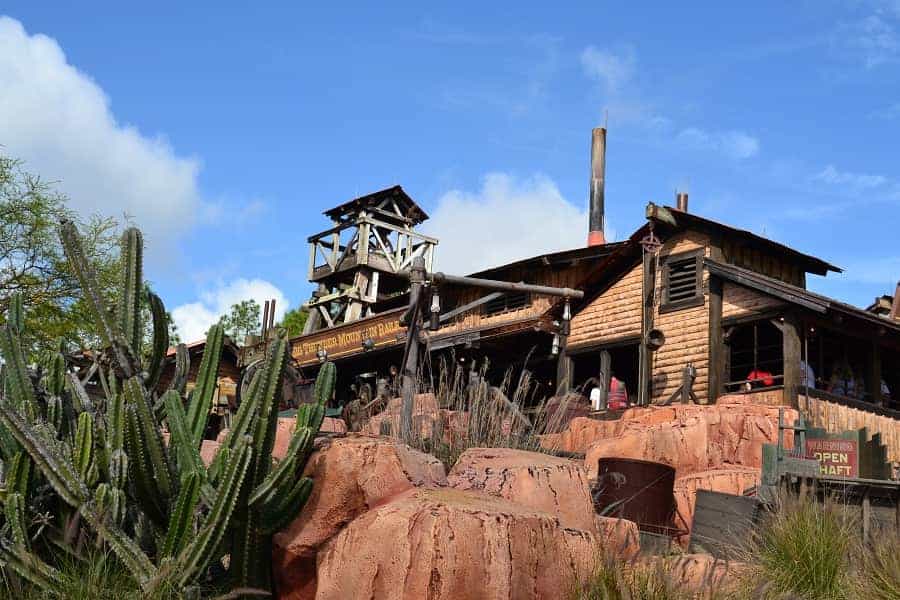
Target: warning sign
837, 458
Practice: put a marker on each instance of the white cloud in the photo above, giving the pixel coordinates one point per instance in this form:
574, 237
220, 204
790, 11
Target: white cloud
874, 39
735, 144
59, 121
613, 69
858, 181
506, 220
195, 318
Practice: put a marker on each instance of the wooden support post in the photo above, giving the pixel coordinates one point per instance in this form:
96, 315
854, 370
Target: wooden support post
792, 356
866, 517
411, 319
874, 378
717, 354
647, 307
564, 368
605, 374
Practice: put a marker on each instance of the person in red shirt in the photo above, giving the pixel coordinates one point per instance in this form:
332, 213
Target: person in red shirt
761, 378
618, 395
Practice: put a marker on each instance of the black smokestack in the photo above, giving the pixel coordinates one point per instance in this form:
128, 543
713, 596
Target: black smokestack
596, 235
681, 201
895, 304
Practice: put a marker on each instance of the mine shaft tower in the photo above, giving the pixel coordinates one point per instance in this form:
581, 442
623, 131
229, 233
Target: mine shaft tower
365, 256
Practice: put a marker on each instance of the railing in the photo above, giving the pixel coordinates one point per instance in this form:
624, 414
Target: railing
837, 413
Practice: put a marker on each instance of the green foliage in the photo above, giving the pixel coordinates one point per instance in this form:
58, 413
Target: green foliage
294, 320
805, 550
165, 516
242, 320
614, 580
32, 263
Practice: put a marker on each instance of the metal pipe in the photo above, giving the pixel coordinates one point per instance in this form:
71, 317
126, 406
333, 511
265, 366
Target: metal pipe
681, 201
506, 286
265, 319
597, 221
271, 314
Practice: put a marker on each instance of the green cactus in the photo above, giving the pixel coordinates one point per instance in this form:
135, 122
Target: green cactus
164, 514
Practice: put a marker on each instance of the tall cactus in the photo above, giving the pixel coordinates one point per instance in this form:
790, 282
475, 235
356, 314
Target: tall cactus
110, 465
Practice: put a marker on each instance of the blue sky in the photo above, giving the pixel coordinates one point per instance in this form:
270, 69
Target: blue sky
224, 132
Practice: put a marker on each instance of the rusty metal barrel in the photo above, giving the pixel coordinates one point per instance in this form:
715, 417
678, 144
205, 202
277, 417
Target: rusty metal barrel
637, 490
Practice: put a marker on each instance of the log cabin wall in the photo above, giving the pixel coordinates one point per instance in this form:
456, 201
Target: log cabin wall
615, 316
739, 301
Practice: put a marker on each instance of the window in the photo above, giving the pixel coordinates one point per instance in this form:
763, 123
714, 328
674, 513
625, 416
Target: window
507, 303
683, 277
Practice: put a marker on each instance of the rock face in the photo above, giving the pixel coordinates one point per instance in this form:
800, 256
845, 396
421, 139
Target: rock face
453, 545
703, 573
351, 476
690, 438
730, 481
287, 425
208, 451
619, 537
547, 483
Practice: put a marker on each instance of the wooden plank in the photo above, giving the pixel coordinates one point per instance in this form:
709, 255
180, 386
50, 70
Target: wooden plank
722, 522
792, 358
716, 341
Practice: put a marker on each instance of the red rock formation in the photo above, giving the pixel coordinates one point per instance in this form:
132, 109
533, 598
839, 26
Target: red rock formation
701, 573
619, 538
352, 475
453, 545
691, 438
554, 485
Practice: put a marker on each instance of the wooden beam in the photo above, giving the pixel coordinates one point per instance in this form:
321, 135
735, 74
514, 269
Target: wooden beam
645, 357
717, 350
792, 356
564, 368
875, 373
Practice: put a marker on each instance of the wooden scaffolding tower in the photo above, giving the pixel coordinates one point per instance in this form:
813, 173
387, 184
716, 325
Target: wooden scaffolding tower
365, 256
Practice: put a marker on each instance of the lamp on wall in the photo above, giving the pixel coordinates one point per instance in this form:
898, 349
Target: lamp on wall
367, 343
321, 354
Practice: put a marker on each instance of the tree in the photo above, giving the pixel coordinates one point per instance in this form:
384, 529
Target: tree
32, 262
242, 320
294, 320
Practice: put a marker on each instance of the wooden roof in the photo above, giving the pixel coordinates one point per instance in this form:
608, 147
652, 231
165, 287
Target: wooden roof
378, 202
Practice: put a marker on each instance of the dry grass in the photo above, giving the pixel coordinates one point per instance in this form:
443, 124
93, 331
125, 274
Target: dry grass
475, 414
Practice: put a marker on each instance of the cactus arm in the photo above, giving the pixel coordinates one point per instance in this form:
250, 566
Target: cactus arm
55, 413
139, 469
181, 439
283, 509
83, 452
158, 463
129, 313
115, 419
207, 381
160, 340
107, 328
325, 380
283, 474
240, 425
18, 383
56, 376
196, 555
80, 399
15, 317
310, 415
182, 368
14, 510
110, 502
18, 474
57, 469
182, 517
28, 566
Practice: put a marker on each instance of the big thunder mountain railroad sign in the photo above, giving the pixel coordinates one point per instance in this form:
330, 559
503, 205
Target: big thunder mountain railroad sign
350, 338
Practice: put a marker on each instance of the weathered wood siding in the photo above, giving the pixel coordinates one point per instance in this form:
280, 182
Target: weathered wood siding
739, 301
767, 264
616, 315
476, 319
834, 417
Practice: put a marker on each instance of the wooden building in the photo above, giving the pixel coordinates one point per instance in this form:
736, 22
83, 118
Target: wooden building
726, 305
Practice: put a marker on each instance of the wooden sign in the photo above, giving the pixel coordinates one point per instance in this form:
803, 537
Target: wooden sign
837, 457
347, 339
